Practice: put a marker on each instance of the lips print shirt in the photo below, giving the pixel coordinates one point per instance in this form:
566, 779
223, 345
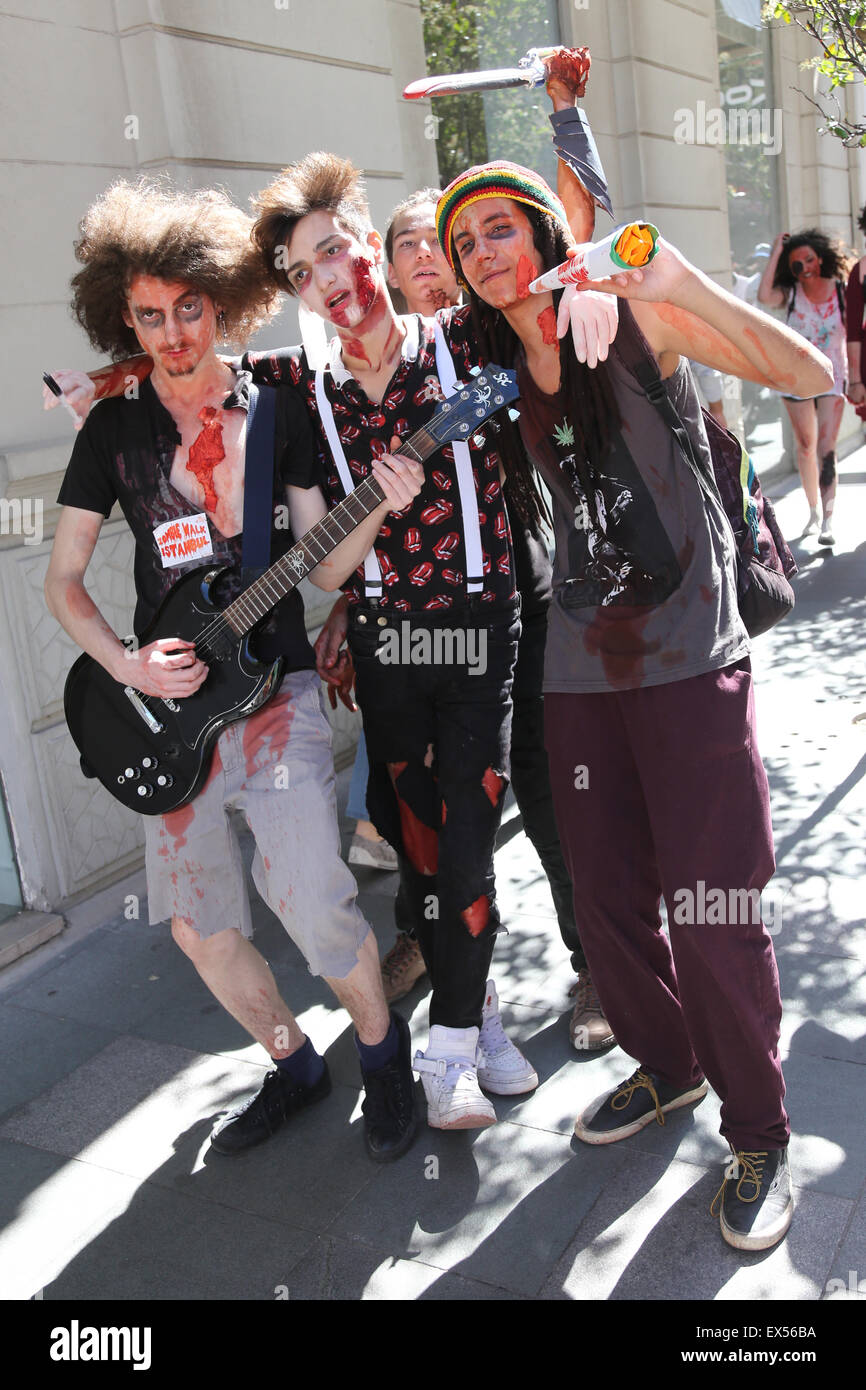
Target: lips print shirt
421, 549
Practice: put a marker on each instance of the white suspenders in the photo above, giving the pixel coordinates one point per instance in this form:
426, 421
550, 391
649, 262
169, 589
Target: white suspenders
463, 467
372, 572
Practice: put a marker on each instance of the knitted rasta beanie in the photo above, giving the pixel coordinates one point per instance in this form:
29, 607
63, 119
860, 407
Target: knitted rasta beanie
501, 179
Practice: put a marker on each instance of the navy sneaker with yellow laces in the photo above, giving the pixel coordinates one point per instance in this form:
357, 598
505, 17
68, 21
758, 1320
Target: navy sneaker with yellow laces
757, 1204
626, 1109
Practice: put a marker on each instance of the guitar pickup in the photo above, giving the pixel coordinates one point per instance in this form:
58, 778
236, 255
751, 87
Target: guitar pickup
141, 709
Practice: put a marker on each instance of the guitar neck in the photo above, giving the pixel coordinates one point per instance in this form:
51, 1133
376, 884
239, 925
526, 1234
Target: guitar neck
283, 576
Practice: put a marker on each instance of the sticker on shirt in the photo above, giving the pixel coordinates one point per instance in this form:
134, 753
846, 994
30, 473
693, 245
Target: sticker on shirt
181, 541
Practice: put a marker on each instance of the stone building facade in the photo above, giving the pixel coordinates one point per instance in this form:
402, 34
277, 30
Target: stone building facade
215, 92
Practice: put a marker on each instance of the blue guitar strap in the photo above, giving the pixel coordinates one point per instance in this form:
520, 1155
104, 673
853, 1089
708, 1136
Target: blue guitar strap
258, 483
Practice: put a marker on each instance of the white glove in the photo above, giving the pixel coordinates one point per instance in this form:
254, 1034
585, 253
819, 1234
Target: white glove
594, 319
78, 396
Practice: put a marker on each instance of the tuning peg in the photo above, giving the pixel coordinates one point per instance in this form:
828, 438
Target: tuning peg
513, 414
474, 371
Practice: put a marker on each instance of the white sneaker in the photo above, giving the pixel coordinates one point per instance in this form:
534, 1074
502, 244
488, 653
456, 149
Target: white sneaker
826, 537
811, 525
447, 1071
502, 1069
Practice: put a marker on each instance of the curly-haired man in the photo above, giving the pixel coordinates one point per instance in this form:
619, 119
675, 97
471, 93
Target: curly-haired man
164, 271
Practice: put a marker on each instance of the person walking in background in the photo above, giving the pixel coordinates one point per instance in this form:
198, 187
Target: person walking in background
856, 327
368, 850
710, 389
805, 275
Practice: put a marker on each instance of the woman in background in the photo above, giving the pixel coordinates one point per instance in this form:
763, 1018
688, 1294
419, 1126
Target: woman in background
805, 275
856, 322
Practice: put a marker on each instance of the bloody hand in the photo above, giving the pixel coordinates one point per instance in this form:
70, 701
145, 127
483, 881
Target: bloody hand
568, 69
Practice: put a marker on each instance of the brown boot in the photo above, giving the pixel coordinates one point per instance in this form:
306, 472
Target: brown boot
588, 1028
402, 967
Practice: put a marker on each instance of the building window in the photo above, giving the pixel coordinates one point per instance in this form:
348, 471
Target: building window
460, 36
753, 138
10, 888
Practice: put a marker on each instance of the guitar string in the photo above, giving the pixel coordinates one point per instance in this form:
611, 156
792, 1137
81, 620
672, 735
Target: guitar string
249, 596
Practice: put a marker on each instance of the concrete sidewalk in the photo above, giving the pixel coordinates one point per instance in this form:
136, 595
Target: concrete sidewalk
119, 1062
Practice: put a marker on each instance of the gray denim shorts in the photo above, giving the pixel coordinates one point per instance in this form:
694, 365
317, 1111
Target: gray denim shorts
275, 768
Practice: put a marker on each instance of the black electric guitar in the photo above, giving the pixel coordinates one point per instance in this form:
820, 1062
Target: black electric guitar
153, 754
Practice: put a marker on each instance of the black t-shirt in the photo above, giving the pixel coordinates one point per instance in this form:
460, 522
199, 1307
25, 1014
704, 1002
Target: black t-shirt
125, 453
533, 568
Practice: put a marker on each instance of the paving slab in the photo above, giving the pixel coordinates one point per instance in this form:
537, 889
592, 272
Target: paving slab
168, 1245
650, 1236
497, 1205
124, 1108
53, 1208
849, 1264
40, 1050
350, 1270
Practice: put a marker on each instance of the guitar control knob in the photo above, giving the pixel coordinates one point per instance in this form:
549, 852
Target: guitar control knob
144, 789
130, 773
165, 779
149, 763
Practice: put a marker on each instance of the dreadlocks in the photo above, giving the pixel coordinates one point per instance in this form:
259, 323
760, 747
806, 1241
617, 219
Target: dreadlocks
595, 414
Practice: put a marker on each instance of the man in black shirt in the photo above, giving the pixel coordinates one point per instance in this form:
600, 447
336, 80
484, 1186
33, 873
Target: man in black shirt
161, 271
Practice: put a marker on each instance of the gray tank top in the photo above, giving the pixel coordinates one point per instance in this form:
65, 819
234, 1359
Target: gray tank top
644, 589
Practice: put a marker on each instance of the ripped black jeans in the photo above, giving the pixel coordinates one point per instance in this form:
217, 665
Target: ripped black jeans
434, 689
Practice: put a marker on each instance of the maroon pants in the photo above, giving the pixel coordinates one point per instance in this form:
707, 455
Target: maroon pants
674, 802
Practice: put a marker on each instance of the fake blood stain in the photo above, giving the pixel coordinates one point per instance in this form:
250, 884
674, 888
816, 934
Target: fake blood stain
267, 730
178, 822
492, 784
420, 842
615, 634
207, 453
364, 283
526, 273
476, 915
547, 323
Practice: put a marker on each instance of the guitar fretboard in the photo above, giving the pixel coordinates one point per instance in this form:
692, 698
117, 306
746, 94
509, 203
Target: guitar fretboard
283, 576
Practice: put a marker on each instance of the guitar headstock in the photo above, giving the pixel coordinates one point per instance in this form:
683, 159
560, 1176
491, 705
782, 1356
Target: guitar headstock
473, 402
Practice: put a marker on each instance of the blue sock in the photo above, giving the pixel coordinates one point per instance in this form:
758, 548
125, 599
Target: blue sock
304, 1066
378, 1054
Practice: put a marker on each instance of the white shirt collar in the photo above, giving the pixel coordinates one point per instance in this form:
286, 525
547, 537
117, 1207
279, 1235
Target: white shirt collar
409, 349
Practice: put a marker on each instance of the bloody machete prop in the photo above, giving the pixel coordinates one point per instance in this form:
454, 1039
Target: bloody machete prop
572, 135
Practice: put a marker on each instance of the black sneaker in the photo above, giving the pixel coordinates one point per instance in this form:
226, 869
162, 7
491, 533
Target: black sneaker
390, 1122
757, 1203
258, 1118
631, 1105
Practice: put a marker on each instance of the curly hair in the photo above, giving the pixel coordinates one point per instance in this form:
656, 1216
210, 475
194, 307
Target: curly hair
835, 261
150, 228
415, 200
319, 182
595, 413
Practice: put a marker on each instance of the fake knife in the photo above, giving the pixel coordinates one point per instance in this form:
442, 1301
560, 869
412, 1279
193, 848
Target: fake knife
530, 72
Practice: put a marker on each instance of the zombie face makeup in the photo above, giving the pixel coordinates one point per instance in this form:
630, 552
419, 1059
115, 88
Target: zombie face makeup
173, 322
498, 256
418, 265
804, 263
334, 274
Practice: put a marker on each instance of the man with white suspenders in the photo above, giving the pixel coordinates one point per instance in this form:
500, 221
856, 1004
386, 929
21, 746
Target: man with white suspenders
439, 584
